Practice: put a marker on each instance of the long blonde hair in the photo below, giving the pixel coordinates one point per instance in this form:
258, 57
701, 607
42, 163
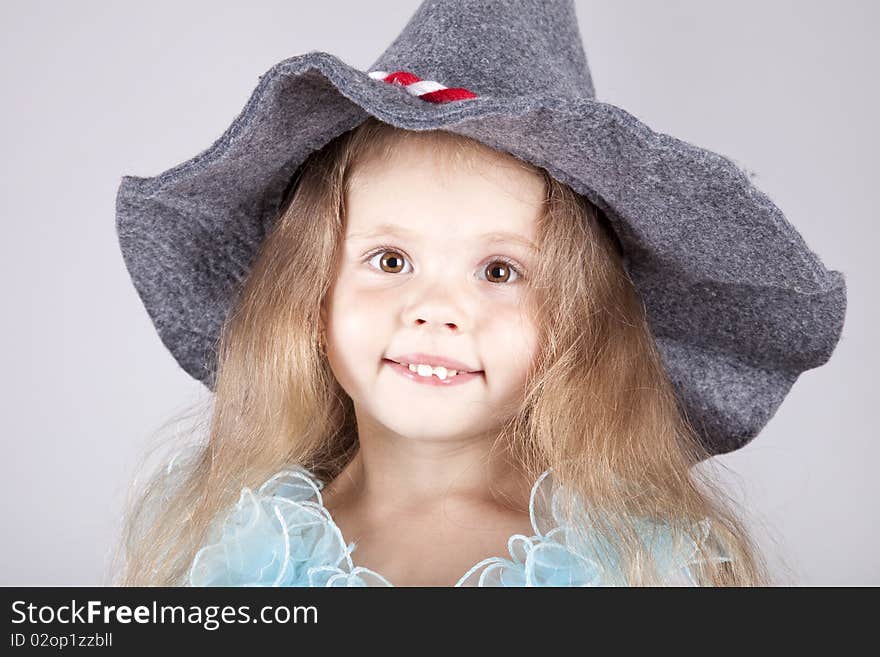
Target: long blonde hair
598, 407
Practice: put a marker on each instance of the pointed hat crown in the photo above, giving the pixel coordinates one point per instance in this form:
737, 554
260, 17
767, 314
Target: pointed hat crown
494, 48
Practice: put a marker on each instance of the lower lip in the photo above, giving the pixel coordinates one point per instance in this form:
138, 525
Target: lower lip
432, 380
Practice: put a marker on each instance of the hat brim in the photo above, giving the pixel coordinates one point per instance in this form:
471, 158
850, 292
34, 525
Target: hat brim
738, 304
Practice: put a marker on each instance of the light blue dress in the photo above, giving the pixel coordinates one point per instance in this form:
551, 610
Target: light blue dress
282, 535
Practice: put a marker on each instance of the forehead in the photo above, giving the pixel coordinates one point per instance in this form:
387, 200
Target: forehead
431, 189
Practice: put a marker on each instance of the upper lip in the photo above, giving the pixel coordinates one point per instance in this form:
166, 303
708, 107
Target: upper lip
433, 359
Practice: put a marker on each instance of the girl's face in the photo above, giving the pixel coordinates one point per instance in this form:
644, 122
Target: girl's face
435, 260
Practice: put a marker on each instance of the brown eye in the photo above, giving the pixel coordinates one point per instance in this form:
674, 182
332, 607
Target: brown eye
391, 262
498, 271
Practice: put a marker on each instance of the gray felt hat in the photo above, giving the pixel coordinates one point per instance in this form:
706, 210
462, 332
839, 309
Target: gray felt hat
738, 304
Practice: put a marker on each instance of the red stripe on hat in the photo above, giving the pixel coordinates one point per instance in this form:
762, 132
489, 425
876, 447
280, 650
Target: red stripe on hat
446, 95
402, 77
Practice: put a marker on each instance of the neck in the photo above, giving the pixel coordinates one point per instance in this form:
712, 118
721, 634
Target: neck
392, 474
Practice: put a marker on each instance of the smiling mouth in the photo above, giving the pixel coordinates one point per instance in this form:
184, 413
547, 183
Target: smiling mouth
388, 360
431, 377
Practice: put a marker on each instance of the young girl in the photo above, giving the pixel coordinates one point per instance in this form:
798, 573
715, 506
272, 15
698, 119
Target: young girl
442, 365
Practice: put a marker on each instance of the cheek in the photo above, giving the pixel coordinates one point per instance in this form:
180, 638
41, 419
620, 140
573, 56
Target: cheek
511, 341
353, 320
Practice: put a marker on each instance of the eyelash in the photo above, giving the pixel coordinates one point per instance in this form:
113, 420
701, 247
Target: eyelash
507, 261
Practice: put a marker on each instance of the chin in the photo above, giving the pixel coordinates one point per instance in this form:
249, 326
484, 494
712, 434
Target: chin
416, 430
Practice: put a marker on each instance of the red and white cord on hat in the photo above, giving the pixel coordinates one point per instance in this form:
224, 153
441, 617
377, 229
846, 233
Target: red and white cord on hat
429, 90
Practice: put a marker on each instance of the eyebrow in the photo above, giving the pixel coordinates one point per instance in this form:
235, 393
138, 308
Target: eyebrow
399, 231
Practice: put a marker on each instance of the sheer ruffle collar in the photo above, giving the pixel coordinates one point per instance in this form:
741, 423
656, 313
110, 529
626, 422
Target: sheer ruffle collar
282, 535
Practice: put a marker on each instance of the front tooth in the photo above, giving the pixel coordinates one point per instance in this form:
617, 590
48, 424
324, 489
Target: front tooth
427, 370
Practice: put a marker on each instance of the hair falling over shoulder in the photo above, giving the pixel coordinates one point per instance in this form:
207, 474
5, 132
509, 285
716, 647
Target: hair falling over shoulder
598, 407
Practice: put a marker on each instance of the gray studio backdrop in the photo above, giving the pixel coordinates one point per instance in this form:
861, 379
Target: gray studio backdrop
95, 90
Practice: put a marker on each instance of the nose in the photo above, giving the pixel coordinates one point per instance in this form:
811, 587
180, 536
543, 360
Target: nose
440, 313
452, 326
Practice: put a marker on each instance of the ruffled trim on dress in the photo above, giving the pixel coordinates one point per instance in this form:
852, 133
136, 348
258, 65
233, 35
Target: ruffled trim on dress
561, 553
282, 535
